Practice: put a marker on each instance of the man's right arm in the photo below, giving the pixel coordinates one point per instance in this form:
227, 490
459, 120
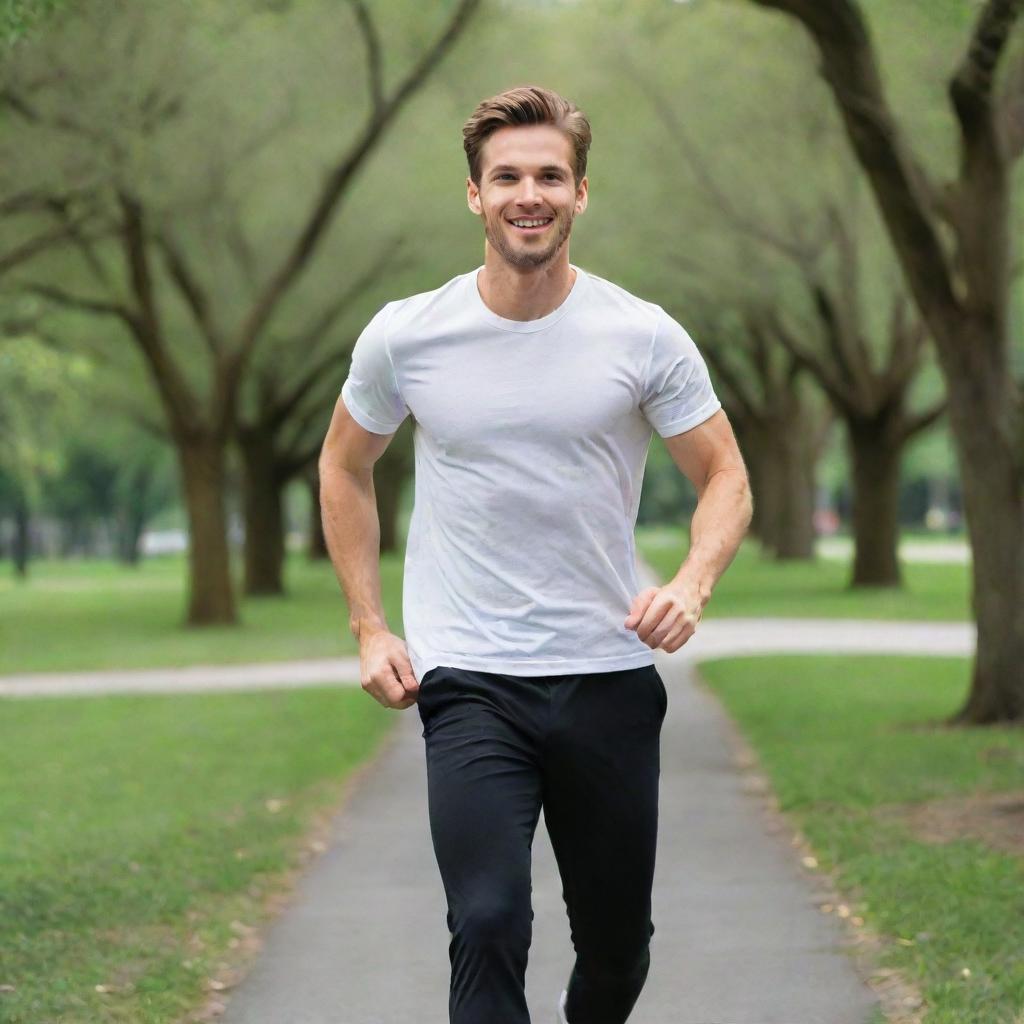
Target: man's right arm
348, 506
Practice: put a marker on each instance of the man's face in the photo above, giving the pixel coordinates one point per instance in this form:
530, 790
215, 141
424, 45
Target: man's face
527, 195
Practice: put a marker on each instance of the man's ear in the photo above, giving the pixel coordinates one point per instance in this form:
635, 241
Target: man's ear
582, 191
473, 196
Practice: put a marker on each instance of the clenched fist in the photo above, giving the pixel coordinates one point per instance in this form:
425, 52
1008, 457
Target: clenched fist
665, 617
386, 671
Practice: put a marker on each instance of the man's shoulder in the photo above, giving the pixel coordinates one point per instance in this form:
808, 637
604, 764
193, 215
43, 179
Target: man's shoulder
613, 298
401, 313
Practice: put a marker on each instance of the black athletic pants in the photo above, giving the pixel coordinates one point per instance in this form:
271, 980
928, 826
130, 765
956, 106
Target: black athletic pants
584, 747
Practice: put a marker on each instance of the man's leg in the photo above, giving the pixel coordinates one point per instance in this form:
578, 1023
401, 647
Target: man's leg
601, 773
484, 794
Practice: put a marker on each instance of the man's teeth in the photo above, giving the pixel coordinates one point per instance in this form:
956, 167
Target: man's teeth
531, 223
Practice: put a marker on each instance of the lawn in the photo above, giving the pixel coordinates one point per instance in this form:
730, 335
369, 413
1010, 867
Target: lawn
97, 615
755, 586
100, 614
142, 839
856, 755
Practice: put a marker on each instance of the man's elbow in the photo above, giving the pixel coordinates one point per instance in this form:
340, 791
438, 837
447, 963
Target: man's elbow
739, 479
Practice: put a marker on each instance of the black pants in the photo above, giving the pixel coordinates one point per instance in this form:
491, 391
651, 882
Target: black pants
584, 747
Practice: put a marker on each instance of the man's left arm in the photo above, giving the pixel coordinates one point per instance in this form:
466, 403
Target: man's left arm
666, 617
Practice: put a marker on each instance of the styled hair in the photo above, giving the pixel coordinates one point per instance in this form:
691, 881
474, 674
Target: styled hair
528, 104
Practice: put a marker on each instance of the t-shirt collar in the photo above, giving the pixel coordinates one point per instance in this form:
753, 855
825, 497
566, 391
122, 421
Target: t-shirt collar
527, 326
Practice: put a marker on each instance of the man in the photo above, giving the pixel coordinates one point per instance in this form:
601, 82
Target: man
534, 386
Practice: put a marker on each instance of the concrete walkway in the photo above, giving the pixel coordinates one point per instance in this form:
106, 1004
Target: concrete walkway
715, 638
953, 551
739, 937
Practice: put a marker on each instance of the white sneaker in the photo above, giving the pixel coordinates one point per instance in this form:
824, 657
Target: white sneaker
562, 1019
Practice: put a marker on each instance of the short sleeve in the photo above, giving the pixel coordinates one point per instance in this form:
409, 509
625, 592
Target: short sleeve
677, 390
370, 392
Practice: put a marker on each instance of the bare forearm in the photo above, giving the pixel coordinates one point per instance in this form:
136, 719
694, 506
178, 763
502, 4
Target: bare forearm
719, 525
348, 507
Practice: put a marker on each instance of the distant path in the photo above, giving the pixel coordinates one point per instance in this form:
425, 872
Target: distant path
715, 638
949, 551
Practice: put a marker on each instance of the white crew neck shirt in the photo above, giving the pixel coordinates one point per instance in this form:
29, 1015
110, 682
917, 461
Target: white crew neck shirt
531, 440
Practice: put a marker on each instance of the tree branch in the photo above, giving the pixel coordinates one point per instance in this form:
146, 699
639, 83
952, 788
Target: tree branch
181, 404
326, 204
799, 253
977, 70
922, 421
196, 297
833, 385
32, 248
846, 303
280, 408
734, 381
300, 451
906, 343
850, 68
1010, 113
81, 303
374, 59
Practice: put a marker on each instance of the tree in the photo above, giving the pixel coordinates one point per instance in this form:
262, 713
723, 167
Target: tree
295, 385
32, 376
200, 403
953, 245
782, 426
869, 390
869, 393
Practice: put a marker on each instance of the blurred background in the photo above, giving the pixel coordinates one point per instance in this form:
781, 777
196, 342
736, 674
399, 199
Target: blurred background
201, 206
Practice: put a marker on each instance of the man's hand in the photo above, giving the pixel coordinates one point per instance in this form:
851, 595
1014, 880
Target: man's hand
386, 670
666, 617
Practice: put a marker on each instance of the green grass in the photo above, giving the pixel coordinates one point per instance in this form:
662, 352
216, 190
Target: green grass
841, 737
98, 614
135, 830
755, 586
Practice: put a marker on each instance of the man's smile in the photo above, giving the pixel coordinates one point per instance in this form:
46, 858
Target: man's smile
530, 225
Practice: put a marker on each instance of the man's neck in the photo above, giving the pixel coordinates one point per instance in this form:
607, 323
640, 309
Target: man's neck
524, 295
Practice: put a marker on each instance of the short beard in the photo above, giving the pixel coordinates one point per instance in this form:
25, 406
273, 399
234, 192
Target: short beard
527, 260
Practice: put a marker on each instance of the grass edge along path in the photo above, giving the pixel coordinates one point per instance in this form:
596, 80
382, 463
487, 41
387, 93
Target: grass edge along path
117, 905
932, 925
756, 585
77, 615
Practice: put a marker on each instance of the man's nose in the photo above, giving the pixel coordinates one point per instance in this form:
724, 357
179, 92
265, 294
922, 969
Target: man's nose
527, 193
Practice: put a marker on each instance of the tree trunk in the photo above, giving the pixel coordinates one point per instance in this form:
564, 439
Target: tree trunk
264, 515
794, 531
130, 526
993, 492
749, 440
211, 599
132, 515
875, 459
317, 550
21, 537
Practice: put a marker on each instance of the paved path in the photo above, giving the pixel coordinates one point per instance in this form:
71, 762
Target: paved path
715, 638
739, 938
951, 551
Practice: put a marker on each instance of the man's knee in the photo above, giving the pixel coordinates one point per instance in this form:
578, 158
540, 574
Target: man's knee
618, 953
493, 922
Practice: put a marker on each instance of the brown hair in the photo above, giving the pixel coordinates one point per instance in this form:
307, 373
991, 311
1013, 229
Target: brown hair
528, 104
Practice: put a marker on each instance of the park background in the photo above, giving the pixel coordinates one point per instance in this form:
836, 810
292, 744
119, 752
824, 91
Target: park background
202, 204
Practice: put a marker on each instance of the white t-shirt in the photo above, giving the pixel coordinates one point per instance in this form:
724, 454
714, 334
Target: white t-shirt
531, 440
